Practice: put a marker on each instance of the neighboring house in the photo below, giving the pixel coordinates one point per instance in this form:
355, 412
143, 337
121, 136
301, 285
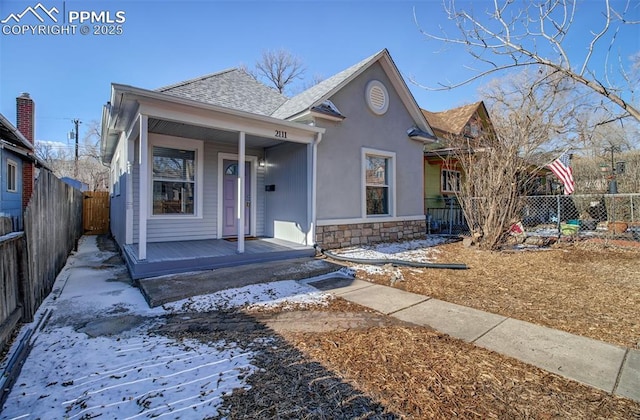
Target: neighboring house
223, 156
17, 161
456, 129
442, 174
79, 185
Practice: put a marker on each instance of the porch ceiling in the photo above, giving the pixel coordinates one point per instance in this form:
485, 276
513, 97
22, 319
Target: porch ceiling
172, 128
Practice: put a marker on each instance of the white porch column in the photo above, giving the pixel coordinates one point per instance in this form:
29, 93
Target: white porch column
143, 188
129, 198
241, 191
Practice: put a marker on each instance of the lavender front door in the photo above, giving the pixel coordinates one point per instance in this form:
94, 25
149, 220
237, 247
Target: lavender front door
229, 197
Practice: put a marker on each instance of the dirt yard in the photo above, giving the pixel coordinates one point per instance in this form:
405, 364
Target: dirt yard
584, 288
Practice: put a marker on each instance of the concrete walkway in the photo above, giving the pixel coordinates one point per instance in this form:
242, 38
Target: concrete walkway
595, 363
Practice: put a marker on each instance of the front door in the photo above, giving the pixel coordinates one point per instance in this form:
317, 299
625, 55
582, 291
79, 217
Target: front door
230, 198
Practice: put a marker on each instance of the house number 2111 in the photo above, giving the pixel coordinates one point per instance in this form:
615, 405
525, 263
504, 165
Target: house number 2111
281, 134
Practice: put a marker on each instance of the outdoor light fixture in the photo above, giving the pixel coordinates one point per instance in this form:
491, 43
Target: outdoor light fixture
261, 163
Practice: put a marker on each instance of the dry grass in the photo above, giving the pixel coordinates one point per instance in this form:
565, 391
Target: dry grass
583, 288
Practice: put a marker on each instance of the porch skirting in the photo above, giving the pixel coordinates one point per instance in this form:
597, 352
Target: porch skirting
344, 235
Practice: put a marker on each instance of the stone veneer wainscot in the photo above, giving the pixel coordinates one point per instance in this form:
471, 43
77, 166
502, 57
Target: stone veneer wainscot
339, 236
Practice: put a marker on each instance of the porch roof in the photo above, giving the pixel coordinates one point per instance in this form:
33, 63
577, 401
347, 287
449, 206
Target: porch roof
127, 102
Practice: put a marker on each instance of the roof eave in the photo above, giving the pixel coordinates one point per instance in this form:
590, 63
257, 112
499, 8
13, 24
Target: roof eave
117, 118
326, 116
423, 139
18, 136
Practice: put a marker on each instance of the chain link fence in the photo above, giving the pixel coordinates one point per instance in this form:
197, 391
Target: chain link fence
608, 215
612, 215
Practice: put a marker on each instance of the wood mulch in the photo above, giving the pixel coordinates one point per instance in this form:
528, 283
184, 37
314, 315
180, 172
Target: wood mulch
586, 288
392, 370
418, 373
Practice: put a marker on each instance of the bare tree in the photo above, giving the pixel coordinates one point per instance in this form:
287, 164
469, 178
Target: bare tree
45, 151
530, 124
590, 177
280, 68
518, 34
91, 170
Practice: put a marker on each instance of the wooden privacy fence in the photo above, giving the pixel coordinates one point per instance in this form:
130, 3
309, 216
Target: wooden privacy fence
52, 226
95, 213
12, 248
31, 260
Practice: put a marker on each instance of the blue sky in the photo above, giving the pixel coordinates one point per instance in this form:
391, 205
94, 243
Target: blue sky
164, 42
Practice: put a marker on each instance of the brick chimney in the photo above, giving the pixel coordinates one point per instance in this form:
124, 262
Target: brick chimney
25, 119
26, 116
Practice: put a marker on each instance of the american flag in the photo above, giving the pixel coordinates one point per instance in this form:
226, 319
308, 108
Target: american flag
560, 168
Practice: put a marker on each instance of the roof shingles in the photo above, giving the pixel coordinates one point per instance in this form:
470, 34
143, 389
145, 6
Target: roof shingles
233, 88
451, 121
315, 94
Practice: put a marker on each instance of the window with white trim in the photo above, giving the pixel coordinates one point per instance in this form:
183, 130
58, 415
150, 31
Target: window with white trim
378, 178
450, 181
12, 176
174, 181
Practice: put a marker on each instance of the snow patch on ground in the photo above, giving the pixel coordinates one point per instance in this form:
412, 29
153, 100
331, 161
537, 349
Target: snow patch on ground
134, 373
68, 375
417, 251
258, 295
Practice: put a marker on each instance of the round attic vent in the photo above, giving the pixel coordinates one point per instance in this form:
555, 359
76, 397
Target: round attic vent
377, 97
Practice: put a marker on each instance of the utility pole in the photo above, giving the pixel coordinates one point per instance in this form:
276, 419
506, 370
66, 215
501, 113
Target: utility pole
75, 168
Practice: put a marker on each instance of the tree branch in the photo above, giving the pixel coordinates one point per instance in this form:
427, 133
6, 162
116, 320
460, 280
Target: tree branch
555, 19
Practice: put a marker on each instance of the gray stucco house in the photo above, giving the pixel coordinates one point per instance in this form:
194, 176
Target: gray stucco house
223, 170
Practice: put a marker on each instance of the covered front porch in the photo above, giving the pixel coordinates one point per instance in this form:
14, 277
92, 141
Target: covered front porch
199, 186
182, 256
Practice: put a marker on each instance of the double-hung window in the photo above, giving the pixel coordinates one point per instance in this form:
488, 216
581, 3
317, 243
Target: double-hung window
12, 176
450, 181
378, 176
174, 181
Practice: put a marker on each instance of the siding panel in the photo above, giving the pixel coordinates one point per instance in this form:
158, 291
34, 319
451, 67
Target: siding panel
183, 229
286, 207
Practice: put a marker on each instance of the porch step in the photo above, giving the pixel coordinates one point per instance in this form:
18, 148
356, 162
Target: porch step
171, 288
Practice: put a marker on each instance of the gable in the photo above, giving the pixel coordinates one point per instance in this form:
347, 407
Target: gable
468, 120
354, 101
316, 95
